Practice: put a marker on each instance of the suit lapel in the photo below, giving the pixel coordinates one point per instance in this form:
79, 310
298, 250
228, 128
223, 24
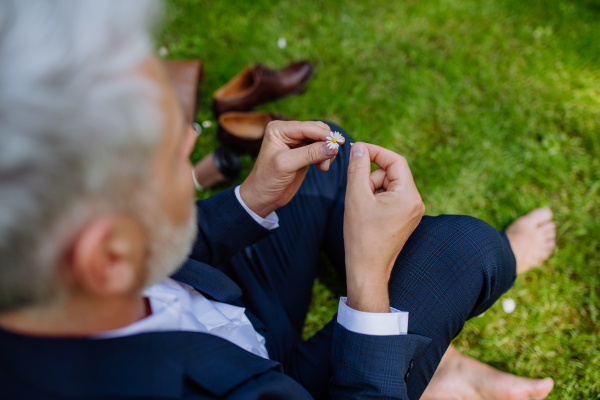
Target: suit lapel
220, 367
208, 280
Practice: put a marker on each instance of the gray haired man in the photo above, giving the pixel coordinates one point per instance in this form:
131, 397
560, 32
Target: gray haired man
97, 210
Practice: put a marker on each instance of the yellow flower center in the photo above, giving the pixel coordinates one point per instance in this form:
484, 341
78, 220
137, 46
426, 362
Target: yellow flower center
333, 140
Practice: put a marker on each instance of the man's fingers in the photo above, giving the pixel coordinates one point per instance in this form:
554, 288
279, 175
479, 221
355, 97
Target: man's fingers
396, 167
315, 153
294, 131
377, 179
359, 171
325, 165
382, 157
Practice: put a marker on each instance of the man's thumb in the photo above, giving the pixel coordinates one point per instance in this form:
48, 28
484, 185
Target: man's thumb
311, 154
359, 169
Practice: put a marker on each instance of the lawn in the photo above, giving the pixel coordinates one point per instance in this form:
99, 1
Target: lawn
496, 106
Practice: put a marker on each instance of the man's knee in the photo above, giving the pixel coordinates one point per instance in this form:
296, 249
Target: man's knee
466, 237
469, 241
465, 252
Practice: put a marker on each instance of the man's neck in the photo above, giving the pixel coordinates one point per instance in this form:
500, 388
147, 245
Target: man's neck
81, 318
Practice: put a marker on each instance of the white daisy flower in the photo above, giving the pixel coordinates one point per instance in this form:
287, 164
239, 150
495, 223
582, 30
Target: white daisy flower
335, 140
508, 305
163, 51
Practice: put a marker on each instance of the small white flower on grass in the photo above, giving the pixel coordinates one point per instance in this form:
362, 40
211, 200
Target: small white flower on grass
282, 43
508, 305
197, 128
335, 140
163, 51
207, 123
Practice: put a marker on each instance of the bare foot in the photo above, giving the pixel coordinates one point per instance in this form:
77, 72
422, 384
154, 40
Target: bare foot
532, 238
460, 377
206, 173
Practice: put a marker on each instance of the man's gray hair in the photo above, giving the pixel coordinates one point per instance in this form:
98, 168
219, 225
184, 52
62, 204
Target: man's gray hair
77, 128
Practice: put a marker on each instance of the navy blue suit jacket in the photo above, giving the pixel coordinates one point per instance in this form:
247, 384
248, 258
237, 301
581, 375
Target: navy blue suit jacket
198, 365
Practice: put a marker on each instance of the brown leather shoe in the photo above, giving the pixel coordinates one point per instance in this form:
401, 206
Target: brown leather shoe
258, 85
244, 131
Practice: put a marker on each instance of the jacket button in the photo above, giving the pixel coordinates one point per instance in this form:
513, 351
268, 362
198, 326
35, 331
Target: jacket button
410, 367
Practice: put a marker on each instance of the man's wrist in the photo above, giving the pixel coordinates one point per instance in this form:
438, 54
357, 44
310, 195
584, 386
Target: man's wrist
253, 202
369, 297
270, 222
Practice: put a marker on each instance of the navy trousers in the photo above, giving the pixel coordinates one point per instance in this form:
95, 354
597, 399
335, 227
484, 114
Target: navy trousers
451, 269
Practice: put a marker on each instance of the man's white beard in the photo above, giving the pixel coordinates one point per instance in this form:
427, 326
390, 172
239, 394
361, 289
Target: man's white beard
169, 245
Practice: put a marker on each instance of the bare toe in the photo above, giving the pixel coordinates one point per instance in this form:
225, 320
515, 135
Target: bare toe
532, 238
529, 389
540, 215
548, 227
549, 235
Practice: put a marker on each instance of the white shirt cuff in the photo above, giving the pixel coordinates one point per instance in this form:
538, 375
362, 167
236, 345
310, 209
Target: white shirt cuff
272, 220
377, 324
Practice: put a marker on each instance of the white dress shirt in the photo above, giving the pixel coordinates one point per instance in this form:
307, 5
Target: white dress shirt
179, 307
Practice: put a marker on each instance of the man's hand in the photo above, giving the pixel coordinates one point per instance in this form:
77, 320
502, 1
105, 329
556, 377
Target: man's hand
382, 210
287, 150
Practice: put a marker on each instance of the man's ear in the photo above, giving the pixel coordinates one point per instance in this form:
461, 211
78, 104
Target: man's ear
108, 256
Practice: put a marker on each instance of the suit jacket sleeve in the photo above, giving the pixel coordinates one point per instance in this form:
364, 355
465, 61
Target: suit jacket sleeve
372, 367
224, 228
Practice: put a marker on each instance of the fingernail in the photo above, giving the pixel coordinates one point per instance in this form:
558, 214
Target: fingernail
327, 151
358, 150
326, 164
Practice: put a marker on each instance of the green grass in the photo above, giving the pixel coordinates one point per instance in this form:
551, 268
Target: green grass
496, 106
